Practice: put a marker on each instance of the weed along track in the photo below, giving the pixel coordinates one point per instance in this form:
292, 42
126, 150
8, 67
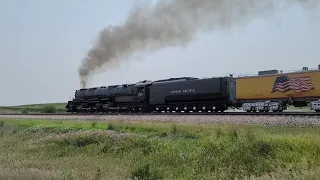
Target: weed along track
68, 149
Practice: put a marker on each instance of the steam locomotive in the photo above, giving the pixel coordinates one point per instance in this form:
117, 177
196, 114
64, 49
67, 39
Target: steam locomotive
178, 94
267, 91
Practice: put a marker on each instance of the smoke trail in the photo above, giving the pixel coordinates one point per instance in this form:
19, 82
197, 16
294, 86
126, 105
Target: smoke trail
173, 23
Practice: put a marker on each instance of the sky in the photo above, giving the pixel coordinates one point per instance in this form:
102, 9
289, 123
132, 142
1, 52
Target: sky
43, 43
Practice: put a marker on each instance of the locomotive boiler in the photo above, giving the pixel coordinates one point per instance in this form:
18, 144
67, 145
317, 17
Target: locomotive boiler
115, 98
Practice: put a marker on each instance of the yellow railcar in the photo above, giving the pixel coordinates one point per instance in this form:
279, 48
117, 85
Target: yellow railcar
296, 86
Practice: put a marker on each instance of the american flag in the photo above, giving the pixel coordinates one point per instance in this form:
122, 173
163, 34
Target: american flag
299, 84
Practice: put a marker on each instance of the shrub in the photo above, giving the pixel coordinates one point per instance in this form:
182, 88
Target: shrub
174, 129
145, 173
111, 126
24, 111
93, 124
49, 109
127, 145
237, 156
79, 141
68, 175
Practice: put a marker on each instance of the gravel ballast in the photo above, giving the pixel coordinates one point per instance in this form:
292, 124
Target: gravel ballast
266, 120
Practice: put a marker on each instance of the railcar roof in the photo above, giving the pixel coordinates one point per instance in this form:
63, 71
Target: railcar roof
280, 74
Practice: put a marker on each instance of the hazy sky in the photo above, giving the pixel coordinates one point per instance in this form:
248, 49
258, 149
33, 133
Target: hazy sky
43, 42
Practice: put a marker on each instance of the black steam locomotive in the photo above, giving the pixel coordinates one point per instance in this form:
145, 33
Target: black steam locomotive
174, 94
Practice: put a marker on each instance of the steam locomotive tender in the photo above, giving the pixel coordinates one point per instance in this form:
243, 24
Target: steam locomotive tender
174, 94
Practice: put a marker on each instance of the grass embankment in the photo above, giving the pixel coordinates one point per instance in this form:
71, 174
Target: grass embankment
34, 108
55, 149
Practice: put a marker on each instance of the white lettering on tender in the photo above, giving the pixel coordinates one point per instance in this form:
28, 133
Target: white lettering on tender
178, 91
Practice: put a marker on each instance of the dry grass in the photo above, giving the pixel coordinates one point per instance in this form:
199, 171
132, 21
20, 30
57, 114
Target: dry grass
54, 149
29, 174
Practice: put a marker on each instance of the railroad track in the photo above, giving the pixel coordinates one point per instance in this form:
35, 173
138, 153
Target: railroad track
173, 114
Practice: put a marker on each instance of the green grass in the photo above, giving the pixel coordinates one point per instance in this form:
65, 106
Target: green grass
34, 108
56, 149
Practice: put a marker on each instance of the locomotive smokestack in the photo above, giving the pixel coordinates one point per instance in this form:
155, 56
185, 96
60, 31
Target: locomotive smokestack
172, 23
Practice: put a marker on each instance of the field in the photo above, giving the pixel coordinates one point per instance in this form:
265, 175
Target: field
34, 108
78, 149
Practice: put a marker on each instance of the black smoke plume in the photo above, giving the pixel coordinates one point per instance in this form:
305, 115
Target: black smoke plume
173, 23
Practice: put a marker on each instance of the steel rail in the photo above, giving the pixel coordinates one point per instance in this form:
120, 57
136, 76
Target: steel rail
172, 114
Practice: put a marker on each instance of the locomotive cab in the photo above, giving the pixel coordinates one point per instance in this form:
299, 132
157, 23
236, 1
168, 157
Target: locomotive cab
141, 91
141, 88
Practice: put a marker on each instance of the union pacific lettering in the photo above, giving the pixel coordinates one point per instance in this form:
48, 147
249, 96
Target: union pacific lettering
179, 91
